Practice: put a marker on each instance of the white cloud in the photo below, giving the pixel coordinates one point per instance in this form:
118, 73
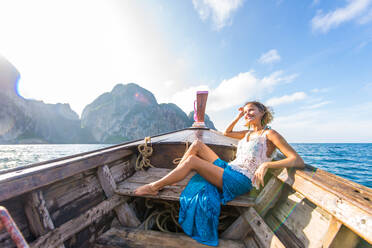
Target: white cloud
322, 90
286, 99
315, 2
219, 10
366, 18
327, 125
232, 92
317, 105
354, 9
183, 98
270, 57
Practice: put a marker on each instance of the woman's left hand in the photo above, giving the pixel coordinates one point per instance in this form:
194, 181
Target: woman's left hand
260, 174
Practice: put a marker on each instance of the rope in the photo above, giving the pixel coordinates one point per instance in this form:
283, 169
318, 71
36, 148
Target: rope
161, 217
167, 215
178, 160
144, 152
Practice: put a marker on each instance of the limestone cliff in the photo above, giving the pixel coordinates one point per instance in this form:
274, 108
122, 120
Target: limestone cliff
126, 113
30, 121
130, 112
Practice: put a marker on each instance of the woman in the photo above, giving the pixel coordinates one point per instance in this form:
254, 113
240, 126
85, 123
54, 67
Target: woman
217, 181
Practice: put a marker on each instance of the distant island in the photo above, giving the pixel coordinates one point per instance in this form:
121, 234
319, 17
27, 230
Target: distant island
126, 113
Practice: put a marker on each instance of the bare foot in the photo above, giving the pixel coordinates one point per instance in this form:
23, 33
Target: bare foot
146, 189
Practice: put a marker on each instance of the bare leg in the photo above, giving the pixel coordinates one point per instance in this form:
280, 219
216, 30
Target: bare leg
209, 171
201, 150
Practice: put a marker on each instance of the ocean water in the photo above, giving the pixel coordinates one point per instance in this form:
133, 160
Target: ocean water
351, 161
12, 156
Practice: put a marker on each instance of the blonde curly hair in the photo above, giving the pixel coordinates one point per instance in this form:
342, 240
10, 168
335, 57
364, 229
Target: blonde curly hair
268, 112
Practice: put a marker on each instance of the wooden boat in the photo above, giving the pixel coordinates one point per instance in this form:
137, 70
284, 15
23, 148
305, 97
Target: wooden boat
86, 200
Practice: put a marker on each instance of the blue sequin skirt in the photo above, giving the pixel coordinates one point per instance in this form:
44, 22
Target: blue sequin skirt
200, 203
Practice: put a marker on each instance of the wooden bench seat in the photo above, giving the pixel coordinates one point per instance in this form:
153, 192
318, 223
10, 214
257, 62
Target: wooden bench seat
127, 237
173, 192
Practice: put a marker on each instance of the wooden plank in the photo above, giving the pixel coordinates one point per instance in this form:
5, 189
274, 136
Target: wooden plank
264, 234
125, 214
305, 220
286, 236
268, 196
125, 237
207, 136
66, 191
352, 216
171, 193
37, 214
359, 195
250, 242
345, 238
124, 169
68, 229
106, 180
238, 230
28, 179
62, 193
333, 229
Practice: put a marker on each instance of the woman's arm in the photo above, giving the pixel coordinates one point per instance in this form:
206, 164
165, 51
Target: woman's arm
292, 158
235, 134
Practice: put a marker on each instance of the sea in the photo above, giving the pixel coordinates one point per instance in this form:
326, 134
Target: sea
350, 161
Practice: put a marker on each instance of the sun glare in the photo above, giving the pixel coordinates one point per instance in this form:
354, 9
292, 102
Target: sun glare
19, 89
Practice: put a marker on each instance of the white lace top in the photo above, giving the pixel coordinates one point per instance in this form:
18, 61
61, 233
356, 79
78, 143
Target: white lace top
250, 155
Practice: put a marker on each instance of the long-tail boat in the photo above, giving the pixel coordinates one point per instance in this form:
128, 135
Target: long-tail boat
87, 200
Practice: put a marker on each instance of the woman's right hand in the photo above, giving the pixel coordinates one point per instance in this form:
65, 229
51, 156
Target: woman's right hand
241, 112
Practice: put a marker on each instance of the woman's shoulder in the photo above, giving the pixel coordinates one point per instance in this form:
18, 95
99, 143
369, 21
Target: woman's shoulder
272, 133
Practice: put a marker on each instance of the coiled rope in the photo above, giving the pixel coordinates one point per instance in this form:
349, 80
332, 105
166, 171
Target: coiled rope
145, 152
162, 216
167, 216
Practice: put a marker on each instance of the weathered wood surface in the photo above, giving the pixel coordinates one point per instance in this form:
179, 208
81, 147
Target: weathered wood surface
170, 192
38, 216
359, 195
333, 229
286, 236
238, 230
345, 239
207, 136
68, 229
67, 191
28, 179
125, 237
305, 220
351, 213
264, 234
124, 169
263, 203
268, 196
250, 242
125, 214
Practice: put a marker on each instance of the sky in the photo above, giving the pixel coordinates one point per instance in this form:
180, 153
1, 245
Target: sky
310, 61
